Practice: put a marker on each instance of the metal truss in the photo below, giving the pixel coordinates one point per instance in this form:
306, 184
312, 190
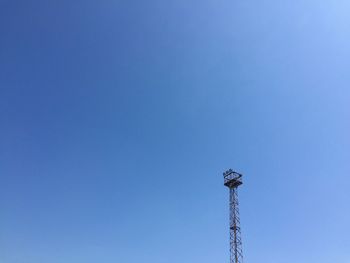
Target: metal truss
232, 181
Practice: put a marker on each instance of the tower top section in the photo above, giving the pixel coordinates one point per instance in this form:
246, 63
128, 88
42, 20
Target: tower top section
232, 179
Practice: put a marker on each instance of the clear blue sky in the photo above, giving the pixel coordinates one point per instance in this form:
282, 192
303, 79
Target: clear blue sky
118, 117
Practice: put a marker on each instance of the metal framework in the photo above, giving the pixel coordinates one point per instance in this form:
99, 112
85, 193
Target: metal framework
232, 180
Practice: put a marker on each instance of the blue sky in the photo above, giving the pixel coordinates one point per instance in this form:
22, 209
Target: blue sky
117, 119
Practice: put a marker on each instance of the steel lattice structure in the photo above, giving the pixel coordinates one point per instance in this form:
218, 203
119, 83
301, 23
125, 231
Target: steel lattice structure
232, 180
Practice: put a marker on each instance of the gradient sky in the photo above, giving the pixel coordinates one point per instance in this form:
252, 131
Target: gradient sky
118, 117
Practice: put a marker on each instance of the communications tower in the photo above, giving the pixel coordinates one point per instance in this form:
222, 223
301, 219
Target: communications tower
232, 180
